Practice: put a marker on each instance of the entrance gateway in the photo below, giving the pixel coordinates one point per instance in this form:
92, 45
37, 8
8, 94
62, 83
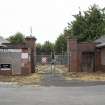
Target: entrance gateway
51, 64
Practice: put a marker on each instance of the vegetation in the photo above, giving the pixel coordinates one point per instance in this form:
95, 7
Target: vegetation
17, 38
46, 48
61, 44
38, 49
88, 25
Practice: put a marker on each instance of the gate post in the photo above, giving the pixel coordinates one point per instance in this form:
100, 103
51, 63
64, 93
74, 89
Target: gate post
68, 52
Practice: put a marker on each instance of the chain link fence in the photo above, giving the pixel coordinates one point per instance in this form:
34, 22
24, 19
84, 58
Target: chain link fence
47, 59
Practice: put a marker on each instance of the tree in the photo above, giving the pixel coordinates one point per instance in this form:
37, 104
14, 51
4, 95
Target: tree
61, 44
88, 25
38, 48
17, 38
47, 48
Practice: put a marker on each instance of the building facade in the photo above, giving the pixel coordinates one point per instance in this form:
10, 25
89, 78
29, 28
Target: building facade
18, 59
86, 56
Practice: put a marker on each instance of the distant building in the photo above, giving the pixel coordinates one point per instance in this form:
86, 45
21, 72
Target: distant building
2, 41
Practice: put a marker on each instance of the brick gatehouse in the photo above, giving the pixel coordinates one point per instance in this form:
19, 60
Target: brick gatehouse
18, 59
86, 56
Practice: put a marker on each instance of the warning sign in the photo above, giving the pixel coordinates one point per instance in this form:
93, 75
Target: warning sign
44, 60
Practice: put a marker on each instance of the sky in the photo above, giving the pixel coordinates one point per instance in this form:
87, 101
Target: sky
48, 18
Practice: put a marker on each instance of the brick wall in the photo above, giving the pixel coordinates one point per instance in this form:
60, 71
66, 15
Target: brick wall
74, 60
19, 65
11, 58
26, 69
31, 42
76, 49
100, 59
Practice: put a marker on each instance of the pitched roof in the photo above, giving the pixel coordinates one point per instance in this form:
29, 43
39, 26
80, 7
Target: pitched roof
2, 40
100, 40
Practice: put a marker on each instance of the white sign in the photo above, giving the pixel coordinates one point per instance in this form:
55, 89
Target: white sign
4, 69
10, 50
24, 55
44, 59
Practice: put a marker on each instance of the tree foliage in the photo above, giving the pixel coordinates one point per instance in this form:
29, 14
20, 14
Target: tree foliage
88, 25
17, 38
38, 48
60, 44
45, 48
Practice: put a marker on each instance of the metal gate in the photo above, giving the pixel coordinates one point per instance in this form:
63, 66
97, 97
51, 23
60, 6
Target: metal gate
47, 59
46, 64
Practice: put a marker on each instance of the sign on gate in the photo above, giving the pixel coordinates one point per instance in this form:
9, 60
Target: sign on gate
44, 60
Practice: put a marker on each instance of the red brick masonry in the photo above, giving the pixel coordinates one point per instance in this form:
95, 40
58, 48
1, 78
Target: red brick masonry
81, 54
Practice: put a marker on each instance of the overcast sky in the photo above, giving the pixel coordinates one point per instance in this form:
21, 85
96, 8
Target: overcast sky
48, 18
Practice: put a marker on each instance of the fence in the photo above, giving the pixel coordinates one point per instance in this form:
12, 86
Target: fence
47, 59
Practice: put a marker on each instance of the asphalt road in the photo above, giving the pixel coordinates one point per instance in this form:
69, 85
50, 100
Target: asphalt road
29, 95
54, 90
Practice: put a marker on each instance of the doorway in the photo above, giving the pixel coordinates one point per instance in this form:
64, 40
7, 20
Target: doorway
88, 61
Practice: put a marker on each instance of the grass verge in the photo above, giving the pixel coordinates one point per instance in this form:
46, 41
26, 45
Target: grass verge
31, 79
97, 76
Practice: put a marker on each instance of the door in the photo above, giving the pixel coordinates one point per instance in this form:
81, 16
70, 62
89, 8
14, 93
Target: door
87, 62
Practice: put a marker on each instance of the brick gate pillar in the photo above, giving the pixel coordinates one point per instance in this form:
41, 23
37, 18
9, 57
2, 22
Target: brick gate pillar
74, 55
31, 42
